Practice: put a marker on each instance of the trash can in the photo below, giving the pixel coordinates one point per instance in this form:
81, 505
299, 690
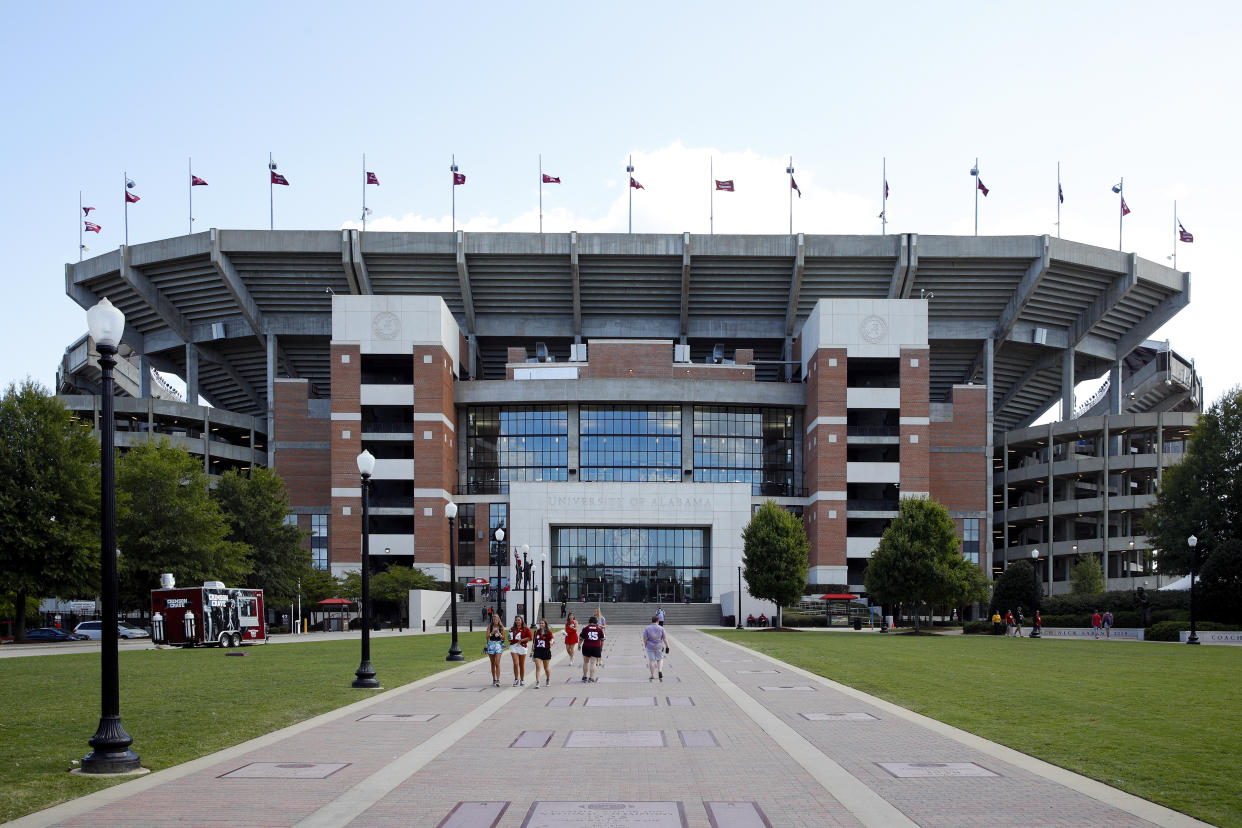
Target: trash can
858, 623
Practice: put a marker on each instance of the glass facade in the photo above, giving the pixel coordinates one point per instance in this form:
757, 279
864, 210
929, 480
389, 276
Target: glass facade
510, 443
631, 444
319, 541
631, 563
970, 541
465, 534
745, 445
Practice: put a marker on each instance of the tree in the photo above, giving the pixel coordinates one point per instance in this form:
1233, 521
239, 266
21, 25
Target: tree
1087, 578
1015, 589
1202, 496
390, 589
775, 559
167, 521
255, 507
49, 500
919, 561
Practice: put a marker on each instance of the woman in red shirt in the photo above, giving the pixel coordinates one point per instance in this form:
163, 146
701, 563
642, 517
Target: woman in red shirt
571, 636
519, 639
543, 652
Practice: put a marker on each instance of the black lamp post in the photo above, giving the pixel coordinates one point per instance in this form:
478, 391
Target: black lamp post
110, 745
543, 577
739, 598
501, 555
1192, 542
527, 614
365, 674
454, 653
1035, 594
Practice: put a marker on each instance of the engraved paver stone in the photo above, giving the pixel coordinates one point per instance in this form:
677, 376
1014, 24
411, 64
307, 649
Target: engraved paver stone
286, 770
755, 672
736, 815
605, 815
455, 689
698, 738
615, 738
562, 701
399, 717
793, 688
853, 716
635, 701
532, 739
474, 815
680, 701
922, 770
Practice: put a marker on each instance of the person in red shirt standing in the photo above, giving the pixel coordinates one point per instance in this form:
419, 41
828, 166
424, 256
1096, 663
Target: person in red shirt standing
571, 637
1096, 621
592, 648
519, 640
543, 652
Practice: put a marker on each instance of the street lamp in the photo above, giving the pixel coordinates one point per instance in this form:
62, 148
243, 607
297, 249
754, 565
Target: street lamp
501, 555
110, 745
1192, 542
454, 653
739, 598
543, 577
525, 575
1035, 595
365, 674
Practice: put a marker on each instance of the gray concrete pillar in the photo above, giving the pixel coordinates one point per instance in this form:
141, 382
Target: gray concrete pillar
271, 400
1114, 388
987, 545
573, 433
144, 377
687, 442
1067, 384
191, 373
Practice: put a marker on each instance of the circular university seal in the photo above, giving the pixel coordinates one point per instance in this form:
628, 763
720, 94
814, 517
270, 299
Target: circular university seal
873, 329
386, 325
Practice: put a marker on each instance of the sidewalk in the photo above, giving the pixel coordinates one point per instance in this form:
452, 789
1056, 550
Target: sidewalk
729, 738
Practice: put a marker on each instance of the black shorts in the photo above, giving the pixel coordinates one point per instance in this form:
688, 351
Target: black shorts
592, 652
543, 653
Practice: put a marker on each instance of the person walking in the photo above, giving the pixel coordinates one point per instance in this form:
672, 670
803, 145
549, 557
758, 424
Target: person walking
1037, 626
996, 623
1107, 622
495, 646
592, 648
564, 606
1008, 622
599, 616
519, 639
543, 652
656, 645
1017, 629
1096, 621
660, 615
571, 637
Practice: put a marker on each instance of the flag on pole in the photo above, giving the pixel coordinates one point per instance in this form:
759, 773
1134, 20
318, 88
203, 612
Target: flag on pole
92, 227
1184, 234
979, 184
634, 183
1060, 194
195, 181
1125, 210
793, 184
727, 186
459, 178
130, 198
277, 178
86, 211
372, 179
551, 179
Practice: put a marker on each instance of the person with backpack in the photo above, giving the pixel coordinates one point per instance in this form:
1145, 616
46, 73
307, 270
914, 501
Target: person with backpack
1108, 623
656, 645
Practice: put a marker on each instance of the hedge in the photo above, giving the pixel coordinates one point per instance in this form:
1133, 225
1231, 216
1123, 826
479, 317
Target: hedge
1120, 600
1168, 630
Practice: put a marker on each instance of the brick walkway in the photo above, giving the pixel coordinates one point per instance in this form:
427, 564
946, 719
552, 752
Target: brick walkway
730, 738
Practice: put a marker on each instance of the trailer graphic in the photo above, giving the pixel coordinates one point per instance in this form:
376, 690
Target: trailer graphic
210, 615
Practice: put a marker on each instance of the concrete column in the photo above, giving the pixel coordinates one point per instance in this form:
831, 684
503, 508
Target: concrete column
687, 441
207, 441
1067, 384
573, 434
986, 545
1114, 388
1004, 503
271, 400
144, 377
191, 373
1052, 499
1107, 446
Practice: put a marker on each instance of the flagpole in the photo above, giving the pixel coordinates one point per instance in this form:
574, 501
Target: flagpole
271, 194
541, 193
189, 163
790, 170
364, 192
1176, 227
1121, 211
976, 174
884, 197
1058, 199
125, 196
453, 167
629, 168
711, 196
81, 223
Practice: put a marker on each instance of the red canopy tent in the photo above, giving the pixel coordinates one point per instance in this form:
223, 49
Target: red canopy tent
337, 604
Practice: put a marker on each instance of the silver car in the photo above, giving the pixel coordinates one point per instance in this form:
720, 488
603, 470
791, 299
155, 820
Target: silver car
94, 630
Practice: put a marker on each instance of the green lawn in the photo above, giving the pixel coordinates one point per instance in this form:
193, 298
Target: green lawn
1161, 721
181, 704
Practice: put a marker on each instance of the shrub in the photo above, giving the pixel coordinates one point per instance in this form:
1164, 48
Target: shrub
1120, 600
977, 628
1168, 630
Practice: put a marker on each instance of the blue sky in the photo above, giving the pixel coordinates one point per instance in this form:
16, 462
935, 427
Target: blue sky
1142, 90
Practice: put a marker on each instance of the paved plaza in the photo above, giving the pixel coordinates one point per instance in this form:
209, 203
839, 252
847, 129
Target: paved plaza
730, 738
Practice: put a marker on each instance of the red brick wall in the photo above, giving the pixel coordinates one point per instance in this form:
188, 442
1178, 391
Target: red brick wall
435, 459
915, 475
959, 479
302, 469
824, 460
345, 531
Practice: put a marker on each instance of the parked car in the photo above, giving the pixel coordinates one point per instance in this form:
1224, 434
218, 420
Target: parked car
94, 630
53, 634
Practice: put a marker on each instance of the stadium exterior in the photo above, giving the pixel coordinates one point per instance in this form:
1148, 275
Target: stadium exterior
620, 403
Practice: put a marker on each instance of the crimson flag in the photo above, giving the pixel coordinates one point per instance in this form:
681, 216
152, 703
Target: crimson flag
86, 211
634, 183
551, 179
886, 188
92, 227
1184, 234
195, 181
277, 178
459, 178
727, 186
979, 184
372, 179
130, 198
794, 185
1125, 211
1060, 194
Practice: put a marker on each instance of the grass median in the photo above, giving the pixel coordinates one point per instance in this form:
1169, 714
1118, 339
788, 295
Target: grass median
182, 704
1161, 721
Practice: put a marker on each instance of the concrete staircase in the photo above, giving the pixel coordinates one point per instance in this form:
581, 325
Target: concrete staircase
694, 615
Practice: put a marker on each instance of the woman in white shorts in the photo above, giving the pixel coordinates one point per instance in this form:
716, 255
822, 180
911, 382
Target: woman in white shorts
519, 640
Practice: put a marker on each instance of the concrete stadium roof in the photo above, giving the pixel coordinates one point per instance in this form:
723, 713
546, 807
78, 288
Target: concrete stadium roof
1033, 296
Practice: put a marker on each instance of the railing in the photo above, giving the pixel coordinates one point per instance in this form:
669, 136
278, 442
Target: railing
388, 428
777, 490
873, 431
872, 505
483, 487
1094, 399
